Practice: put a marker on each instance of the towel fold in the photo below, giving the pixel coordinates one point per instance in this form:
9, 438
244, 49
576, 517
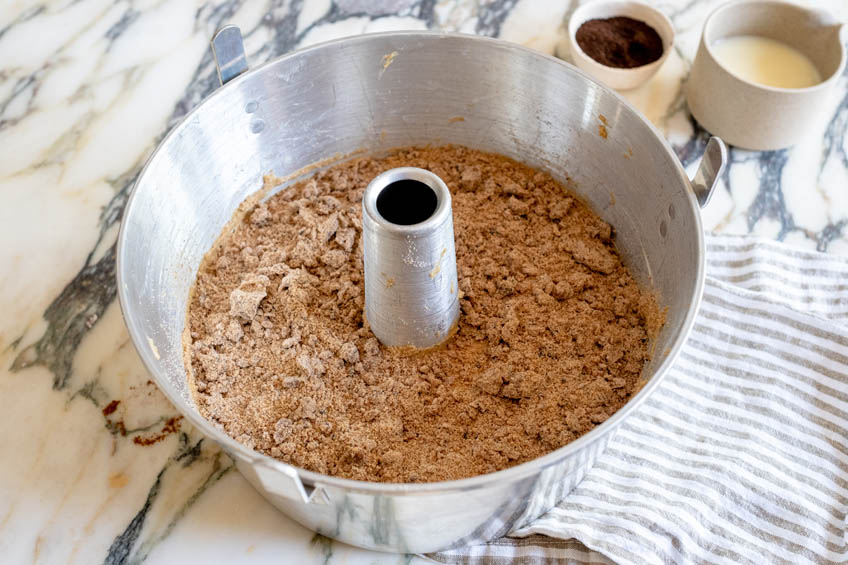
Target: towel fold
741, 454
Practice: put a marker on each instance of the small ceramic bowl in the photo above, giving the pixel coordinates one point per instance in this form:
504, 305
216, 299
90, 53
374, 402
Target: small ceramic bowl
620, 79
751, 115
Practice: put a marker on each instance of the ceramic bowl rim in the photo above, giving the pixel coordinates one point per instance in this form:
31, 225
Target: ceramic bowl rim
667, 35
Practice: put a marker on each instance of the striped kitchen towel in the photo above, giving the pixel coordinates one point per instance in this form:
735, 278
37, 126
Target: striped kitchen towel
741, 455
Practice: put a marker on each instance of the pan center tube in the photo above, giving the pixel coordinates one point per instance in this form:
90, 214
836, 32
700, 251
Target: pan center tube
411, 290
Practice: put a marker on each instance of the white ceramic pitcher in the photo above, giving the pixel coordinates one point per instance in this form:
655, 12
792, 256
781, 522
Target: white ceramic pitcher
751, 115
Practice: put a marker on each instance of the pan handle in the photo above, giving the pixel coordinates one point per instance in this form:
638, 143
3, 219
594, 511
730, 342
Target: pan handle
228, 51
283, 480
710, 169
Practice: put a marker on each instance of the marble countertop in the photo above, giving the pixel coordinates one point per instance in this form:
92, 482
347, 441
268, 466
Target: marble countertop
95, 464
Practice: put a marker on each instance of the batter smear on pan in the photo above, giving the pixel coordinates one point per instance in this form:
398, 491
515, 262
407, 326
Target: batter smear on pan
552, 337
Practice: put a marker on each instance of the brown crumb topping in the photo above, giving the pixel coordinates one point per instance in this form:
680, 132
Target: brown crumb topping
551, 341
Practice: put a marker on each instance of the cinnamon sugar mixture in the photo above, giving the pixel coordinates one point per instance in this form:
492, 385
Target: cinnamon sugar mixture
551, 341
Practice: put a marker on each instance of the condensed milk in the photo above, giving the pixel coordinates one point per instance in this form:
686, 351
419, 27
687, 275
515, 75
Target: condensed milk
766, 61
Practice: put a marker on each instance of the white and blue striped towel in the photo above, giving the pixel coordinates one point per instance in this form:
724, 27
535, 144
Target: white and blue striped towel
741, 455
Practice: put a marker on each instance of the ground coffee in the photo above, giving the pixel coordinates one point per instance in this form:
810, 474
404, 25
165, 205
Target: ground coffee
551, 341
620, 42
